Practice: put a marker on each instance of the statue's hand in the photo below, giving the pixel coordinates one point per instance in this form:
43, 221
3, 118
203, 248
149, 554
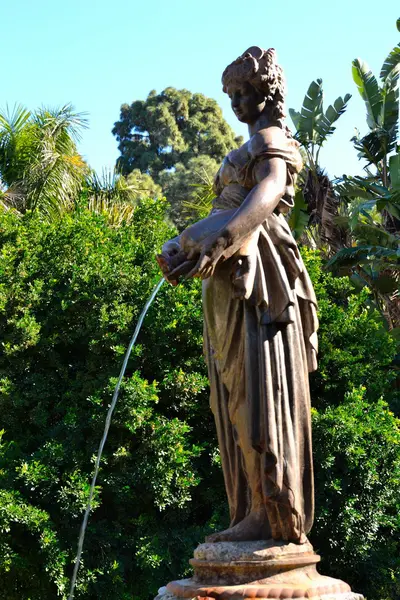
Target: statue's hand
208, 253
171, 247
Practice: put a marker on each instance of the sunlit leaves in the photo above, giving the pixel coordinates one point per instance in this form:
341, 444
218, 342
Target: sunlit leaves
368, 87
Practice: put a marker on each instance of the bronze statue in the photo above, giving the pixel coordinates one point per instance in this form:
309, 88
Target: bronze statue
260, 318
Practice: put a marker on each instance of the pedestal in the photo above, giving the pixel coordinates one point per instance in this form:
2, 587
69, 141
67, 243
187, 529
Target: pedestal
260, 569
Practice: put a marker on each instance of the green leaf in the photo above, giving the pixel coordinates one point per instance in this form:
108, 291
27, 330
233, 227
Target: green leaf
299, 216
359, 187
394, 168
391, 61
369, 90
386, 284
295, 116
311, 111
395, 333
350, 257
325, 125
370, 146
390, 111
393, 209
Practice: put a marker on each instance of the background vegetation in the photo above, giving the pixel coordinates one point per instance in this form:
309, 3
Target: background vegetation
77, 264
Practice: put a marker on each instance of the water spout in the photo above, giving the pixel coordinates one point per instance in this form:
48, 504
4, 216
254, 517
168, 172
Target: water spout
105, 434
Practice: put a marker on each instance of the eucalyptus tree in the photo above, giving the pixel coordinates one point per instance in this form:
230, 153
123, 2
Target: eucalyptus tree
177, 138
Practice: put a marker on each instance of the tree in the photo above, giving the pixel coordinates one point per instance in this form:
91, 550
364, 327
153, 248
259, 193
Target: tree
176, 137
170, 128
356, 220
115, 196
71, 291
182, 186
40, 167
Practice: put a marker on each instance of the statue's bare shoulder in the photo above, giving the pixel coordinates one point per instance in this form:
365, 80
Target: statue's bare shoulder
265, 139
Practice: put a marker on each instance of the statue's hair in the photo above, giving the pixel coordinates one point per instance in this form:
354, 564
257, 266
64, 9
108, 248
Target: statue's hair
260, 68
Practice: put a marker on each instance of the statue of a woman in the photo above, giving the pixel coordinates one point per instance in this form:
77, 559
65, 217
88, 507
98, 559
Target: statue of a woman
259, 314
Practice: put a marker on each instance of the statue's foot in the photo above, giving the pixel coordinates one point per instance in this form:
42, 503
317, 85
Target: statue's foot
253, 527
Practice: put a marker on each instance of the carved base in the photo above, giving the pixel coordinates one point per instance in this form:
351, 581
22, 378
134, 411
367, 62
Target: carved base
250, 570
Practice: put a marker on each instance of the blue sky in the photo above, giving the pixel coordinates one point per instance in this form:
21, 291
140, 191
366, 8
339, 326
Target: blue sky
100, 54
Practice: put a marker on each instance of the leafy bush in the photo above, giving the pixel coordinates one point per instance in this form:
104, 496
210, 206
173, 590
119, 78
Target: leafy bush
357, 528
70, 294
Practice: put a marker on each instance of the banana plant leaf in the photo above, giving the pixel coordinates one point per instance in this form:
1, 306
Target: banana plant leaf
370, 147
394, 169
370, 92
324, 125
360, 187
351, 257
390, 112
391, 62
310, 114
299, 217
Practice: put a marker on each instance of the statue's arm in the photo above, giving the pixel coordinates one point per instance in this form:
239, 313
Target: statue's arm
271, 175
260, 203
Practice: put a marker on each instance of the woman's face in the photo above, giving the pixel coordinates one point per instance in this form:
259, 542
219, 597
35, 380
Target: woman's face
247, 102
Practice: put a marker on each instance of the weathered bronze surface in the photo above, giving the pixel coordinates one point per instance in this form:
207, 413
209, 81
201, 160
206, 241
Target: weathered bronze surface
260, 342
259, 314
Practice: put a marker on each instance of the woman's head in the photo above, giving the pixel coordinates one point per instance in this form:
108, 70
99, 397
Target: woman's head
255, 83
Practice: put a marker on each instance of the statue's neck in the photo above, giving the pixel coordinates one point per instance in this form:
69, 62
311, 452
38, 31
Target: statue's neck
263, 121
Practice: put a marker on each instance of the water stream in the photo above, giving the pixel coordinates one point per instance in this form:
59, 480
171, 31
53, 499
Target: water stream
104, 438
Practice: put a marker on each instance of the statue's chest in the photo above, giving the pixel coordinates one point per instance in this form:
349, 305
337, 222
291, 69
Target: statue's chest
233, 164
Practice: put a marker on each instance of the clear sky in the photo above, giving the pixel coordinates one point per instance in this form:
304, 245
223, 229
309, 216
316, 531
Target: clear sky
98, 54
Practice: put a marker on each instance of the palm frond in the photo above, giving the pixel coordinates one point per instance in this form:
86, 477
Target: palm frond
111, 195
54, 173
202, 196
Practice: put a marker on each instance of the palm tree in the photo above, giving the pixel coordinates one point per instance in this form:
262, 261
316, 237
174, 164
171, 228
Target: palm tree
40, 167
116, 196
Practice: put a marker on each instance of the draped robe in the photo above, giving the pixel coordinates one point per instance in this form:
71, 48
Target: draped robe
259, 351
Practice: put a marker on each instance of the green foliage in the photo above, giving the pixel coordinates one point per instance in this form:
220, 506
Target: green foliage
355, 348
40, 167
316, 205
115, 196
357, 528
184, 188
170, 128
313, 125
356, 440
70, 294
176, 137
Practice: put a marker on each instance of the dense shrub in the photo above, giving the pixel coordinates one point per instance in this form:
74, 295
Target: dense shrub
70, 294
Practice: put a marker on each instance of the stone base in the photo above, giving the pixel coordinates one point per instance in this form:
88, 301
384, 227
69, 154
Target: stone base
164, 594
257, 570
